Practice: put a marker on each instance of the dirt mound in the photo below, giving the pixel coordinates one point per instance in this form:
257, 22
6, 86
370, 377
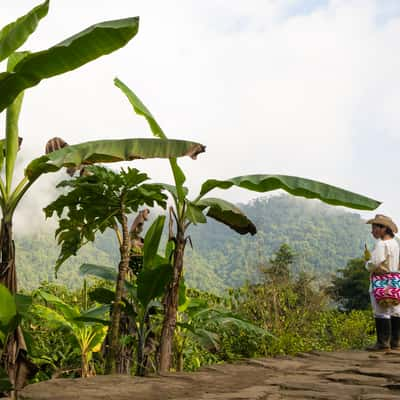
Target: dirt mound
316, 375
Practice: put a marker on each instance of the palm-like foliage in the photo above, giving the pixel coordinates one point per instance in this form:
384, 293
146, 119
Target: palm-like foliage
81, 326
193, 211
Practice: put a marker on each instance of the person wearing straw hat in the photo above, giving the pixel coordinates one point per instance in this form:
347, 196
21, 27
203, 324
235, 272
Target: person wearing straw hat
384, 258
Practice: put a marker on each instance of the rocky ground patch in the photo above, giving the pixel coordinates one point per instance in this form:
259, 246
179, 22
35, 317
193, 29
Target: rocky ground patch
315, 375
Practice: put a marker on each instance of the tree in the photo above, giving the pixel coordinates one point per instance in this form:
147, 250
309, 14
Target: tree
351, 287
150, 282
194, 211
278, 266
103, 200
25, 70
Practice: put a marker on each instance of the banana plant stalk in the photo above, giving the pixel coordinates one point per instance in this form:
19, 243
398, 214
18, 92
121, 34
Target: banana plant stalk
186, 212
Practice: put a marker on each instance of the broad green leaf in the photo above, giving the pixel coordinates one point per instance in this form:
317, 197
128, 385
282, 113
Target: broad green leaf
95, 315
194, 214
23, 303
54, 319
102, 295
68, 312
142, 110
107, 297
99, 271
296, 186
72, 53
179, 178
172, 190
103, 151
228, 214
182, 294
8, 309
152, 282
152, 242
12, 117
169, 250
98, 339
14, 35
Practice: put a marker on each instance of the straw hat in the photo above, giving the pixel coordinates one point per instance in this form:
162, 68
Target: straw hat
385, 221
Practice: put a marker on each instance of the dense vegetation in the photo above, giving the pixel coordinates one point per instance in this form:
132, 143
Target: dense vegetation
323, 238
285, 313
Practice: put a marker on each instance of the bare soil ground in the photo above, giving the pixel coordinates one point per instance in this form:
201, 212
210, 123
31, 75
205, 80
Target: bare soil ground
316, 375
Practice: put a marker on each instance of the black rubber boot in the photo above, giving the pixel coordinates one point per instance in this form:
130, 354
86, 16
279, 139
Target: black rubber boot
395, 333
383, 332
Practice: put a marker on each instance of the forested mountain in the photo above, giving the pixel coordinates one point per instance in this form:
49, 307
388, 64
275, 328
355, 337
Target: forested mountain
324, 238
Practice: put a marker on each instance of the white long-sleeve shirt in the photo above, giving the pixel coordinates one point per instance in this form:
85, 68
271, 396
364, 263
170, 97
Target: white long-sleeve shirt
385, 250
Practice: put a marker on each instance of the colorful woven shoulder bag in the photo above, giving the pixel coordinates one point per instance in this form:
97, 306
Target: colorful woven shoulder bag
386, 284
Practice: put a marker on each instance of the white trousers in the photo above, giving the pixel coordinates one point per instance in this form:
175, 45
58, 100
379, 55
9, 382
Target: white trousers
383, 312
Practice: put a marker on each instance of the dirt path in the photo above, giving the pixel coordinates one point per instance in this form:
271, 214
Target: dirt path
317, 375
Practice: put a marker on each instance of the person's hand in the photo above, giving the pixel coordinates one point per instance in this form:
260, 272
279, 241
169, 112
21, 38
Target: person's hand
367, 254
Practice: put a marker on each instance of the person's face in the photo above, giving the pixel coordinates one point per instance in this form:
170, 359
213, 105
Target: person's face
378, 232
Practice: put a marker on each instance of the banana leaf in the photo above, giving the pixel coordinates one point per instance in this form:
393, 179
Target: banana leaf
143, 111
228, 214
14, 35
8, 311
86, 46
152, 282
104, 151
98, 271
152, 242
296, 186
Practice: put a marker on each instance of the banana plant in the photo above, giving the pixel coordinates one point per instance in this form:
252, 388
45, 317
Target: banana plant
140, 296
191, 211
87, 329
103, 200
13, 308
203, 324
26, 70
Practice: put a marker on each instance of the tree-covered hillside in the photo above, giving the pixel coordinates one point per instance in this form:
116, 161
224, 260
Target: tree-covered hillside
324, 239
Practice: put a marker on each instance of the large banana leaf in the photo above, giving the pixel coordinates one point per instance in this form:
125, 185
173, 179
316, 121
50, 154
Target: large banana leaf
12, 117
152, 282
98, 271
296, 186
68, 312
102, 272
14, 35
8, 310
110, 151
86, 46
228, 214
152, 242
142, 110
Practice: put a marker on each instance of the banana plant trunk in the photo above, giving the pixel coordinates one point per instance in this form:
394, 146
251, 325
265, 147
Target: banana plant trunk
171, 301
85, 365
14, 357
112, 356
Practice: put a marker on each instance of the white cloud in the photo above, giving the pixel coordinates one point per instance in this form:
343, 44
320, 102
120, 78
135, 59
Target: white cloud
268, 90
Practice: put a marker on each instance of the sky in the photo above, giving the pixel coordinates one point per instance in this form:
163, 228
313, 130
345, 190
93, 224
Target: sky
296, 87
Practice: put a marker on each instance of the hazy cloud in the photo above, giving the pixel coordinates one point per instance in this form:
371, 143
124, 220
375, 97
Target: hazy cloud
311, 90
